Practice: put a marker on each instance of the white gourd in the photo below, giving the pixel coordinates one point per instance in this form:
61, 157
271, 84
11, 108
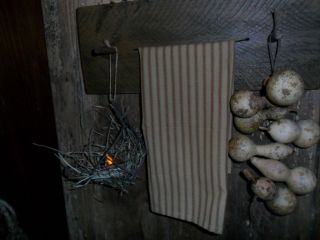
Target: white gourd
241, 148
272, 169
246, 104
284, 130
283, 203
309, 133
300, 179
262, 187
248, 125
284, 88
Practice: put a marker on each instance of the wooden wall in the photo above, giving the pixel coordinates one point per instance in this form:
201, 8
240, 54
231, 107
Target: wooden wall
97, 212
130, 25
29, 176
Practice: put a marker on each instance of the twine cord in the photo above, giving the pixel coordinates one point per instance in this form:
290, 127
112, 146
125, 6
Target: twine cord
112, 79
272, 38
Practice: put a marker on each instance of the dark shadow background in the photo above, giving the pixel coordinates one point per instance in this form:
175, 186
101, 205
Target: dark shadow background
29, 176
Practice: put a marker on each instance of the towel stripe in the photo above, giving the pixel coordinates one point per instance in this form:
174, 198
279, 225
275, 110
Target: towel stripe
186, 123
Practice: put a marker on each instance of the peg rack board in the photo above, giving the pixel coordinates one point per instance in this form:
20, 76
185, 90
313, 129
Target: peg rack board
130, 25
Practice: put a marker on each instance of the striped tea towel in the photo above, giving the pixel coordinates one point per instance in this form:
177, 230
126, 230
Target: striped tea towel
186, 123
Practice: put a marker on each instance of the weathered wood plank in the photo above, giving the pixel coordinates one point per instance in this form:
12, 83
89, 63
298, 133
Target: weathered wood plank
151, 23
96, 212
29, 176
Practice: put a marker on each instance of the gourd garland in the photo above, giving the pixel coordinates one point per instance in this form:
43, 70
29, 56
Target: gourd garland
271, 113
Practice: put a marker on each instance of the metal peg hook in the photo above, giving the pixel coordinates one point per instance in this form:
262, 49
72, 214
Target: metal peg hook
243, 40
102, 51
105, 50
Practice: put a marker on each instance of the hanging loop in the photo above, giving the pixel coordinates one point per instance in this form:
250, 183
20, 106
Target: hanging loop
112, 77
273, 41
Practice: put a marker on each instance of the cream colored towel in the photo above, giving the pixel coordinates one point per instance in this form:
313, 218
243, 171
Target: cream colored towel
186, 123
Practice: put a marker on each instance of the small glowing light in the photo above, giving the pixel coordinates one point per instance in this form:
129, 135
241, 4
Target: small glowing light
108, 160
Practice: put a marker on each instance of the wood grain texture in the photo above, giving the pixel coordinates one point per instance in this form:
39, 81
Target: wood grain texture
152, 23
96, 212
29, 176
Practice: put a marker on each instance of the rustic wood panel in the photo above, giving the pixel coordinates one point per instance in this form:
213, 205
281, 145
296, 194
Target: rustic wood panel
151, 23
96, 212
29, 176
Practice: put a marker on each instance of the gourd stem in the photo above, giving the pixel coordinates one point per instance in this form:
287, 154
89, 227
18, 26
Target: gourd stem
249, 176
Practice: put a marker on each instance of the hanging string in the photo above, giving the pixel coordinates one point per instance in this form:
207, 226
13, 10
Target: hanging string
112, 79
272, 38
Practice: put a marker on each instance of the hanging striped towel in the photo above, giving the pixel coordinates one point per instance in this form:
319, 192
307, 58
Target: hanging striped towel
187, 123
